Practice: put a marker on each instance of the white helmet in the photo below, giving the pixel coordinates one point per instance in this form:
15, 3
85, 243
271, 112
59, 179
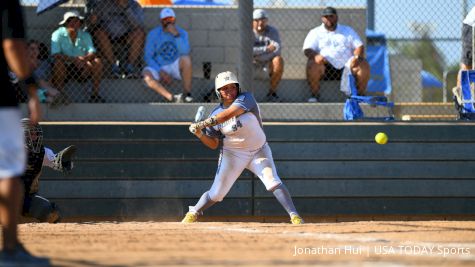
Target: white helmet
223, 79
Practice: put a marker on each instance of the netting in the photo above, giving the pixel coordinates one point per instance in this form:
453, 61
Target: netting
128, 52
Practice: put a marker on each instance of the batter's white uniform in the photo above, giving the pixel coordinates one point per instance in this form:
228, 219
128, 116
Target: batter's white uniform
244, 146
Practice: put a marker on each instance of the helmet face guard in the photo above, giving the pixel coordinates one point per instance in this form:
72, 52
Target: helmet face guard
223, 79
33, 135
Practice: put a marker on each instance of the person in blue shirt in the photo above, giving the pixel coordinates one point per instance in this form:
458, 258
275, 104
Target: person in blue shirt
167, 57
74, 55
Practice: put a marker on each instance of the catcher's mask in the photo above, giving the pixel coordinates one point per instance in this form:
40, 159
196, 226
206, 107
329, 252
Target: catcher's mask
33, 135
223, 79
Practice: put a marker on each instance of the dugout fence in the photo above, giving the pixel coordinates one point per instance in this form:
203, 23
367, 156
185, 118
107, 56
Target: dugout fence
417, 41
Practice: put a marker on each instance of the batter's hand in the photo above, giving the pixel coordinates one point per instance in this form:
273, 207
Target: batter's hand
195, 129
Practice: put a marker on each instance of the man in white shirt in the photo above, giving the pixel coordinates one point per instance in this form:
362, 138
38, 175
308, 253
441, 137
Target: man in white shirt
333, 50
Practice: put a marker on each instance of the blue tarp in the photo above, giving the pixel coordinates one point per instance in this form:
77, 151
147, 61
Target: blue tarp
45, 5
429, 80
378, 59
196, 3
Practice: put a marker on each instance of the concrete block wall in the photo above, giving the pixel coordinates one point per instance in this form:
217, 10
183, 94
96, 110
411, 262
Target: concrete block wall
406, 79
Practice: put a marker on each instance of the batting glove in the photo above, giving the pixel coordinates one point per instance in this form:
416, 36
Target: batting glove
193, 128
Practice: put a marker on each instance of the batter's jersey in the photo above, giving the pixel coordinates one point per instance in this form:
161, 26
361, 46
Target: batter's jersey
241, 133
335, 46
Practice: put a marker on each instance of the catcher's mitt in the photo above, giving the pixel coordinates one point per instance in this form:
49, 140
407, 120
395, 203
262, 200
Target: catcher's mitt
63, 161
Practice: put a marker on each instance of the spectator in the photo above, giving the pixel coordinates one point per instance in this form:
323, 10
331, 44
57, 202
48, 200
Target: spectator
42, 69
167, 55
75, 55
13, 155
113, 22
334, 50
466, 62
266, 51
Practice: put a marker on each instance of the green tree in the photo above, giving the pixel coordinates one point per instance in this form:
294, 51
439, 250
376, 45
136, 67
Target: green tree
422, 48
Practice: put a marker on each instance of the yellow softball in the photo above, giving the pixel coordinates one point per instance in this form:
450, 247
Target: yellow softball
381, 138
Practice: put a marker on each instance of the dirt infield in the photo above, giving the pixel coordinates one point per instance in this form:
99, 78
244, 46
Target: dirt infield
374, 243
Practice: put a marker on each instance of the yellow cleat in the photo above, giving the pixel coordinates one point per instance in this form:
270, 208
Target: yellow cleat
295, 219
190, 217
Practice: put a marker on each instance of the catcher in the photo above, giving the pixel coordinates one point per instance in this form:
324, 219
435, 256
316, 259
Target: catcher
34, 205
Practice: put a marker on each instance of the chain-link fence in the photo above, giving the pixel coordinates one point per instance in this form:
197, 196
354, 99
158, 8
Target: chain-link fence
128, 52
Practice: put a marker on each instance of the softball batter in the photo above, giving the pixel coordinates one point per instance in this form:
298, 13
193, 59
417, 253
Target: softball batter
237, 122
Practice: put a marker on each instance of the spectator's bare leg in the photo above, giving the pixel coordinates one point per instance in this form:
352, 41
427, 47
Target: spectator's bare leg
11, 199
462, 67
105, 44
135, 41
277, 69
362, 74
96, 75
315, 73
156, 85
59, 73
186, 72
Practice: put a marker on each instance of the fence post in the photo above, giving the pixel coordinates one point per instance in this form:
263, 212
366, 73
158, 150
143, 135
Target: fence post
245, 71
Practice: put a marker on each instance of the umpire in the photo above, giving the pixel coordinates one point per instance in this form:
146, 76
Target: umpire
12, 152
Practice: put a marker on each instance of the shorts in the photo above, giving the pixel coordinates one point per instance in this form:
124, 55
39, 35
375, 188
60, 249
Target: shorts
12, 144
261, 70
466, 45
172, 69
332, 73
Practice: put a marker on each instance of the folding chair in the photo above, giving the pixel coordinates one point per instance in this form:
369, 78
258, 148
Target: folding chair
464, 97
352, 110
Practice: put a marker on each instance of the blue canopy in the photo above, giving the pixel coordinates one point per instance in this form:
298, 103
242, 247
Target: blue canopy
45, 5
197, 3
429, 80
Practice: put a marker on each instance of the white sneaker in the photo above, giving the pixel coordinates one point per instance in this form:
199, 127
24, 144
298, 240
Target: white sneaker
188, 99
177, 98
312, 100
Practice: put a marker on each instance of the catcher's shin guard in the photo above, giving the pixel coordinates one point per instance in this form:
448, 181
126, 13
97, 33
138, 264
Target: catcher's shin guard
41, 209
63, 161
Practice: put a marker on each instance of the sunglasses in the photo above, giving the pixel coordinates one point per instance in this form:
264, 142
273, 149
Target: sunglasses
168, 20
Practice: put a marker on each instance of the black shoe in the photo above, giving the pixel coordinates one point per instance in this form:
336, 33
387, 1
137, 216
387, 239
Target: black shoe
273, 98
96, 99
131, 72
115, 71
21, 257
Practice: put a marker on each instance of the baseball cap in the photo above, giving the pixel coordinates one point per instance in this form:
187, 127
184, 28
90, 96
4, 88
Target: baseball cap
167, 12
71, 14
329, 11
259, 14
